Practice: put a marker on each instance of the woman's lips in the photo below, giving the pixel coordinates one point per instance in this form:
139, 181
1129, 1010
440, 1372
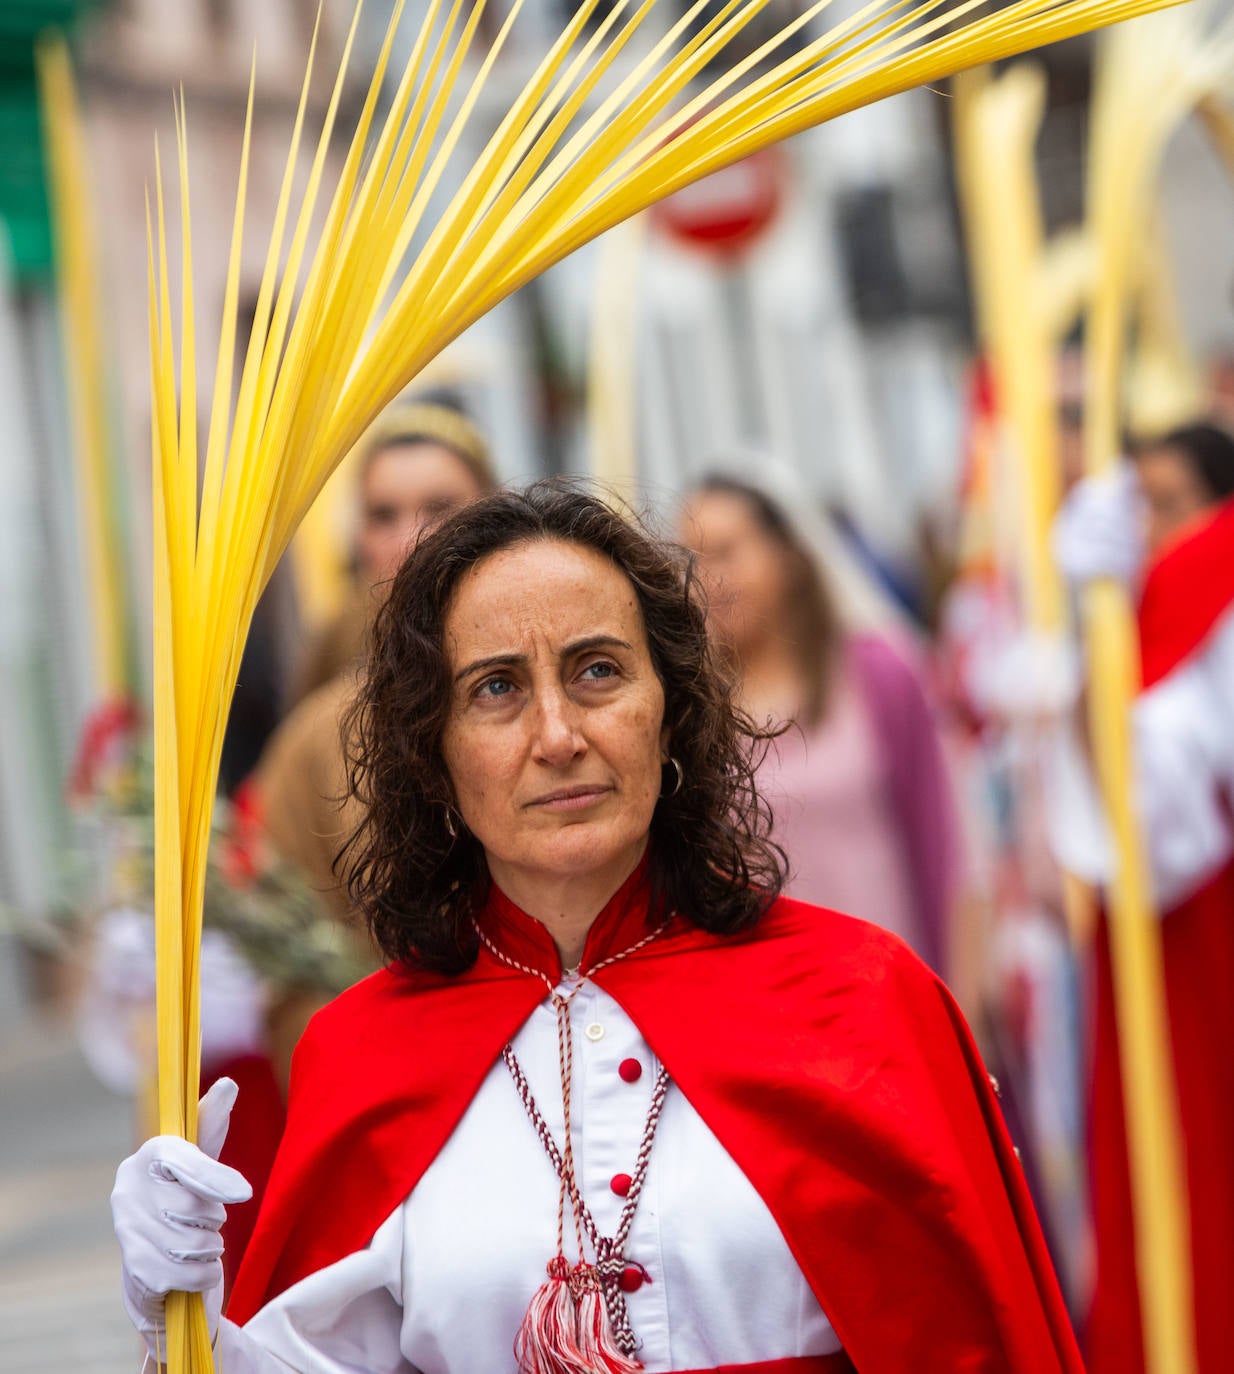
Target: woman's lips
571, 798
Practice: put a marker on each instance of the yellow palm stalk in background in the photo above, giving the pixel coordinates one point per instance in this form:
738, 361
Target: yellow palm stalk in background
1165, 387
1028, 295
344, 321
612, 360
1150, 76
78, 280
997, 122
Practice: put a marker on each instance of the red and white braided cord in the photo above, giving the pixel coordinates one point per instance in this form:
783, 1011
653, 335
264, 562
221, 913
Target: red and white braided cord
610, 1259
609, 1253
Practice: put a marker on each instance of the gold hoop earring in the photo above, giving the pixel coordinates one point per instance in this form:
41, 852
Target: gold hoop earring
681, 777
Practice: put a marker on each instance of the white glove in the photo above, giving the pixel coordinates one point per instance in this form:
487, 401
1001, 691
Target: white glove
233, 1000
117, 999
167, 1208
1026, 676
1099, 531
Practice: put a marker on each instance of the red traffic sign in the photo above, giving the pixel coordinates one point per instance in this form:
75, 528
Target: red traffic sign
726, 213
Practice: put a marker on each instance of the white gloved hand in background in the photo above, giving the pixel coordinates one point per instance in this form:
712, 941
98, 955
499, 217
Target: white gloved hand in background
116, 1012
167, 1206
1027, 676
1099, 531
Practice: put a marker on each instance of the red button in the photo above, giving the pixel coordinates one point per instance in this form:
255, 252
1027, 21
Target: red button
621, 1184
632, 1278
630, 1070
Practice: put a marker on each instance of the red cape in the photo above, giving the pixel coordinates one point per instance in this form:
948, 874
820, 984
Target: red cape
828, 1060
1186, 593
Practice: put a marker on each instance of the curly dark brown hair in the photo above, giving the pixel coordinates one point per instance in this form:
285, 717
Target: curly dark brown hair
417, 884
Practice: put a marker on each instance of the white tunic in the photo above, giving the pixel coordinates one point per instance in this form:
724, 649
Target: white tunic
1184, 746
1184, 735
444, 1284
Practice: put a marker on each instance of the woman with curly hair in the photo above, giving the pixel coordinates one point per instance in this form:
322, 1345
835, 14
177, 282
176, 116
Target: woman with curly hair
615, 1103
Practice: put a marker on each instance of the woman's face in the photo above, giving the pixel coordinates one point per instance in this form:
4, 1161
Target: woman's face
743, 568
406, 489
1173, 492
556, 739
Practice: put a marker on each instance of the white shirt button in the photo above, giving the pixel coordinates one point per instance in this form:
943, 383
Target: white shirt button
595, 1031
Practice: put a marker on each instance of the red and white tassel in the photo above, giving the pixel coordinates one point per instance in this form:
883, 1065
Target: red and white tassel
597, 1345
547, 1340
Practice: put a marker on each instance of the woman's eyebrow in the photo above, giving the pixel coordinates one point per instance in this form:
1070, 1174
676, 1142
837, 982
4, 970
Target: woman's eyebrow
510, 660
571, 650
600, 641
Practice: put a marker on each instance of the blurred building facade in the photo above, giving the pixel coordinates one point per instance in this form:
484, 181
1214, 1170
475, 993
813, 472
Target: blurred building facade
130, 56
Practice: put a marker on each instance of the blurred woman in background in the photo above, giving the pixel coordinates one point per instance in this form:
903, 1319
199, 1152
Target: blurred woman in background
858, 785
419, 463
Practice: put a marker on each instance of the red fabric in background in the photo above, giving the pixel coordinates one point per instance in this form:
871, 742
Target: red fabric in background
252, 1141
830, 1063
1186, 593
1197, 941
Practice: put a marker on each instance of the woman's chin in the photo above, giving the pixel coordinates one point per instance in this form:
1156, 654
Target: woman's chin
583, 846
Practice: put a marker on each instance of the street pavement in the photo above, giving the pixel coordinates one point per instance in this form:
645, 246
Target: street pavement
61, 1136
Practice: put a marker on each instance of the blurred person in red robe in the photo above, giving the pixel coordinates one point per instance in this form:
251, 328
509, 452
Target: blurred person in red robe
1165, 524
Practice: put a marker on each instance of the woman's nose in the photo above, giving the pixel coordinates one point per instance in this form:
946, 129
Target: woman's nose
559, 739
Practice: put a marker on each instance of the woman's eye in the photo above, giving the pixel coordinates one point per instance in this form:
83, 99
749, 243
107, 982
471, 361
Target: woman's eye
495, 687
598, 672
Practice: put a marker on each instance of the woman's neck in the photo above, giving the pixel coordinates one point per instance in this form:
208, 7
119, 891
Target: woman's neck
772, 683
566, 905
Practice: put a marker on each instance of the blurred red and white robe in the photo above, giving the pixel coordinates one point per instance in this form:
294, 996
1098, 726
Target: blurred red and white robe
1184, 734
